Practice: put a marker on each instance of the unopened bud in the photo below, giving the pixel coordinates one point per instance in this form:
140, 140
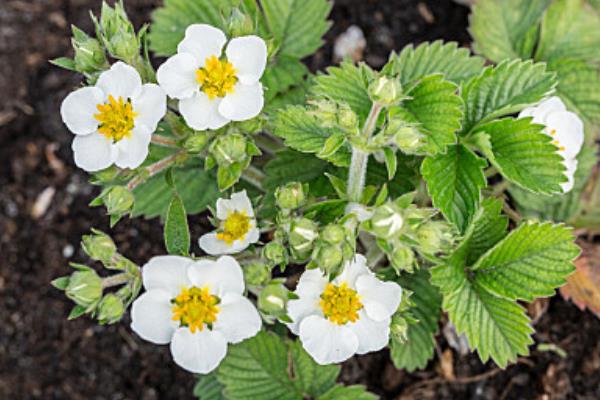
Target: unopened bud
290, 196
239, 24
272, 299
118, 32
229, 149
89, 55
347, 118
333, 234
434, 237
257, 273
329, 258
275, 253
302, 235
196, 142
402, 259
399, 329
84, 288
387, 221
326, 112
99, 246
409, 140
110, 309
118, 200
386, 91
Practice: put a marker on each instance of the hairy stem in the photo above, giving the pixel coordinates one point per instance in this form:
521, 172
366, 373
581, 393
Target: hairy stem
360, 158
154, 169
163, 141
115, 280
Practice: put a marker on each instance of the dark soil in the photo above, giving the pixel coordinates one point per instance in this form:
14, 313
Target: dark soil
44, 356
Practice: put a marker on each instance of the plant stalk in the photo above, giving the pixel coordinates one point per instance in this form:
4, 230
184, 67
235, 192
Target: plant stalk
115, 280
154, 169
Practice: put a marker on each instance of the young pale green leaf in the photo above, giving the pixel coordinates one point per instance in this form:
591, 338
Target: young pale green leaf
438, 110
454, 182
348, 84
332, 145
354, 392
177, 232
456, 64
419, 348
579, 87
523, 154
302, 132
569, 30
530, 262
506, 29
209, 388
505, 89
297, 25
391, 162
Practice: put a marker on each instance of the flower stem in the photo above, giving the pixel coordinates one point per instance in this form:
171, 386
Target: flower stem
163, 141
154, 169
360, 158
115, 280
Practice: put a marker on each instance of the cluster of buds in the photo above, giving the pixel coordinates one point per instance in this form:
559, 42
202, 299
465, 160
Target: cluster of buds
405, 136
88, 290
117, 33
331, 114
335, 246
231, 152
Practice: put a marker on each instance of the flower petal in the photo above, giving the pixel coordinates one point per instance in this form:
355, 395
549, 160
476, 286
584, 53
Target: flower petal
214, 246
121, 80
133, 150
93, 152
569, 132
326, 342
352, 270
570, 174
254, 233
168, 273
244, 103
372, 335
78, 109
199, 352
222, 276
150, 105
177, 76
380, 299
549, 106
240, 202
202, 41
312, 283
248, 54
237, 319
301, 308
151, 317
201, 113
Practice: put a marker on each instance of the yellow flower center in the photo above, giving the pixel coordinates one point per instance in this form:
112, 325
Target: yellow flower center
216, 78
195, 308
555, 141
235, 227
340, 304
116, 118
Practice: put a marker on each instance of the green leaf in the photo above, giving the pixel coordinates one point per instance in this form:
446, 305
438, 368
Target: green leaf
65, 62
170, 21
524, 154
505, 89
354, 392
283, 75
284, 168
391, 162
437, 109
419, 348
454, 182
347, 83
302, 132
76, 312
506, 29
177, 232
456, 64
570, 29
530, 262
259, 368
209, 388
297, 25
332, 145
60, 283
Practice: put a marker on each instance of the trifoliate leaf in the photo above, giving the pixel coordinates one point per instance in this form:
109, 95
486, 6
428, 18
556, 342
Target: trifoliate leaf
354, 392
569, 30
437, 110
302, 132
455, 64
348, 84
209, 388
506, 29
505, 89
454, 182
523, 154
177, 232
530, 262
419, 348
297, 25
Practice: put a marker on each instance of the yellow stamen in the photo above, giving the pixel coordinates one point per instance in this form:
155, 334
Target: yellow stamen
340, 304
553, 132
195, 308
235, 227
116, 118
217, 78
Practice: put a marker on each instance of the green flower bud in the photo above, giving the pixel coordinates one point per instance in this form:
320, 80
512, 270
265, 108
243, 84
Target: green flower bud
402, 259
329, 258
347, 118
409, 140
302, 235
290, 196
196, 142
272, 300
118, 200
110, 309
333, 234
399, 329
325, 111
118, 32
99, 246
275, 253
256, 274
434, 237
386, 91
229, 149
387, 221
89, 55
252, 126
239, 24
84, 288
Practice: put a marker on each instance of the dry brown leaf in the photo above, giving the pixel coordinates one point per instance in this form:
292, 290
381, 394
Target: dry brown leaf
583, 286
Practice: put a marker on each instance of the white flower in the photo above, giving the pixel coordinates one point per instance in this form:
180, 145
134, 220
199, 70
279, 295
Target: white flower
213, 90
238, 227
197, 306
565, 127
114, 120
349, 315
